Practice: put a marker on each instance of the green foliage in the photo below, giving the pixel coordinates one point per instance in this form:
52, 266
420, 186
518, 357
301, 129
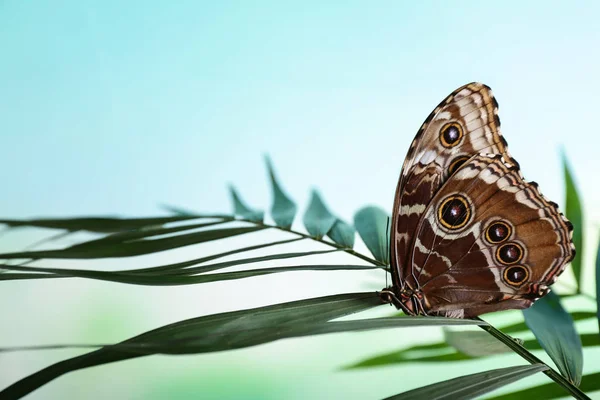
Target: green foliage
318, 220
598, 284
574, 213
372, 224
234, 330
342, 234
241, 209
283, 209
470, 386
467, 345
590, 383
553, 327
130, 248
100, 224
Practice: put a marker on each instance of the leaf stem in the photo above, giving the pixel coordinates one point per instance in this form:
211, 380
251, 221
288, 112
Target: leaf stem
524, 353
320, 240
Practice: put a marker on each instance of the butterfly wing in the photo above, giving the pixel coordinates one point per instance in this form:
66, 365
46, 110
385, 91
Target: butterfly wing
488, 241
462, 125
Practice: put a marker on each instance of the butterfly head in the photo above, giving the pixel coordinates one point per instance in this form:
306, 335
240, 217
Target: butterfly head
411, 301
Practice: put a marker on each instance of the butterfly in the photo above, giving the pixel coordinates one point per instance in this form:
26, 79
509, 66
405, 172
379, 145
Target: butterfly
468, 234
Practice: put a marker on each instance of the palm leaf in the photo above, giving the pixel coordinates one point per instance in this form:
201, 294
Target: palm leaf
233, 330
445, 352
318, 220
342, 234
575, 215
102, 224
598, 284
241, 209
589, 383
167, 280
372, 224
283, 209
555, 330
134, 248
471, 386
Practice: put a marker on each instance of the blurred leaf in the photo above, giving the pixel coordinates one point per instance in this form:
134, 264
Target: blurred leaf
242, 210
442, 352
102, 225
372, 226
521, 326
249, 260
317, 219
193, 344
233, 330
144, 233
168, 268
589, 383
283, 209
182, 211
135, 248
184, 264
598, 284
470, 386
342, 234
575, 214
438, 352
474, 343
177, 267
555, 330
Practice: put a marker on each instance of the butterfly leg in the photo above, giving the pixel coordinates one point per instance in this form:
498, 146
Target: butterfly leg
388, 296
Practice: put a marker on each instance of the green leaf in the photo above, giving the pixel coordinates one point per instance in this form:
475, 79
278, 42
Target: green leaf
135, 248
598, 284
9, 276
143, 233
317, 219
249, 260
283, 209
342, 234
589, 383
218, 332
195, 345
101, 224
372, 226
183, 212
438, 352
555, 330
168, 268
235, 330
521, 326
442, 352
170, 279
474, 343
471, 386
184, 264
242, 210
575, 214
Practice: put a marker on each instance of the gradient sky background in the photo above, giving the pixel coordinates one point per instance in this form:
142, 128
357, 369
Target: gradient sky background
115, 107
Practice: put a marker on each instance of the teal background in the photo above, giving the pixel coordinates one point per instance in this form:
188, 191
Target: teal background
116, 107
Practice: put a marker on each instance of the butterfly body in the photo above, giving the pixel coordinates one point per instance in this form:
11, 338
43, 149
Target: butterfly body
469, 235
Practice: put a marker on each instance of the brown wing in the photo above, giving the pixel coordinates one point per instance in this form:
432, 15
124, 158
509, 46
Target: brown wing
462, 125
488, 241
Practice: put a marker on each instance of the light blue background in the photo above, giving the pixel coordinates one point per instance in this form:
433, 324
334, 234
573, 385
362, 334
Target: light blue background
114, 107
